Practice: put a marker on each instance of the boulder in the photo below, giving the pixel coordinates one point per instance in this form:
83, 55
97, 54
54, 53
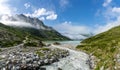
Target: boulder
56, 43
59, 69
42, 68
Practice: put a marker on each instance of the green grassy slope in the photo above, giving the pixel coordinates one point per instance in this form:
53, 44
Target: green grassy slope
105, 46
10, 36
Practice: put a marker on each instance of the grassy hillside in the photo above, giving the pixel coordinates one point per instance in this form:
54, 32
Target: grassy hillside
105, 47
10, 36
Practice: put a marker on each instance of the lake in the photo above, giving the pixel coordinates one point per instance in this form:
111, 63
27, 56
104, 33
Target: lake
73, 43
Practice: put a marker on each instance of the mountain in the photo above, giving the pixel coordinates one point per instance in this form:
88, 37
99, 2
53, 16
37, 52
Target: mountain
13, 34
105, 47
21, 20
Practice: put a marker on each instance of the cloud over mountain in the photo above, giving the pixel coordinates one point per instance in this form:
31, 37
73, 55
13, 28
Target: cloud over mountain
72, 31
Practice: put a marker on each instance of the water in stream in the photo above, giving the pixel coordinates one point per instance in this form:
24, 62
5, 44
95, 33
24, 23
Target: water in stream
75, 61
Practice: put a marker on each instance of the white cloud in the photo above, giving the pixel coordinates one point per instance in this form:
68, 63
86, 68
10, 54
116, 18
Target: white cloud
63, 3
6, 11
108, 26
106, 3
42, 18
42, 12
112, 14
52, 17
18, 23
27, 5
28, 14
72, 31
5, 19
5, 8
116, 9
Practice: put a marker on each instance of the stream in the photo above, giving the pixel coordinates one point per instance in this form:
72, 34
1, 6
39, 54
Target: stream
75, 61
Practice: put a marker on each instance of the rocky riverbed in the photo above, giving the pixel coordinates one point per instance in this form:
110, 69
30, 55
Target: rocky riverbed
75, 61
32, 58
50, 57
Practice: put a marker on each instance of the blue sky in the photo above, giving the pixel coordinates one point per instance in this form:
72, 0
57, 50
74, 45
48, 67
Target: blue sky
81, 12
70, 17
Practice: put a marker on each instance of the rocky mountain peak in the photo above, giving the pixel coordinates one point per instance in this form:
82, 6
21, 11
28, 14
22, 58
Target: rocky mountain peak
22, 19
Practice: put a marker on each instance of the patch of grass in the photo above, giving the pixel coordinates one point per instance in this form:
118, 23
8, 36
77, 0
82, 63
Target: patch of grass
32, 44
105, 46
40, 53
44, 49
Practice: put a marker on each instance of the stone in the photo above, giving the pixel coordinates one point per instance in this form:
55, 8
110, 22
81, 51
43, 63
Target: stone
23, 61
42, 68
39, 62
56, 43
7, 62
51, 61
48, 45
29, 60
3, 68
17, 67
46, 61
59, 69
